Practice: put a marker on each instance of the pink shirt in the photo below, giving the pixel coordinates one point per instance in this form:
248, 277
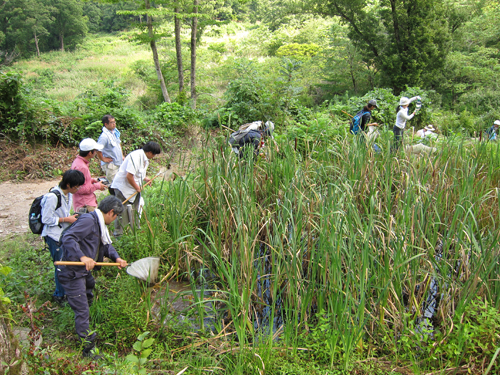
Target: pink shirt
85, 195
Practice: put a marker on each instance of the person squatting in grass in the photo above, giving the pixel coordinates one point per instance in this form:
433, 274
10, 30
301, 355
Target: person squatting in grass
111, 155
87, 241
56, 220
129, 180
401, 118
253, 137
84, 200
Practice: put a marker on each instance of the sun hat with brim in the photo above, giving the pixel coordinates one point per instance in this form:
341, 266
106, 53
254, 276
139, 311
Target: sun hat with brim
430, 128
497, 123
88, 144
404, 101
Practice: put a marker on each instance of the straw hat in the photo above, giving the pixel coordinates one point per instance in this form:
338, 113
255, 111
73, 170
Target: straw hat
430, 128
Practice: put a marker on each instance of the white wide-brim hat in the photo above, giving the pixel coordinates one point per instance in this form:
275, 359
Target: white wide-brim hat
404, 101
430, 128
497, 122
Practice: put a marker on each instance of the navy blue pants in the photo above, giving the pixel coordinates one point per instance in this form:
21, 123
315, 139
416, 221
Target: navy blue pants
79, 286
56, 255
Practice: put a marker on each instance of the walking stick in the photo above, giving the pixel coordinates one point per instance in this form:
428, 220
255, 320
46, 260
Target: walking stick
146, 184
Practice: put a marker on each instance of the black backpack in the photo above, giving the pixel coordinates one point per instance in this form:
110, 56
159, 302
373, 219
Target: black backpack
35, 214
356, 121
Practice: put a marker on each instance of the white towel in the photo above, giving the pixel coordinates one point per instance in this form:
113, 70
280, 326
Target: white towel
105, 238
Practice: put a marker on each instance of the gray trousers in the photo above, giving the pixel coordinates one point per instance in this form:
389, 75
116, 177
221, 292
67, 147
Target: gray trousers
79, 287
129, 216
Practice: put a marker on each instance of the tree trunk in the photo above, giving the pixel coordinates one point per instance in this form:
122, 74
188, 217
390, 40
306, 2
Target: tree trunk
36, 44
155, 55
194, 26
178, 51
61, 38
9, 347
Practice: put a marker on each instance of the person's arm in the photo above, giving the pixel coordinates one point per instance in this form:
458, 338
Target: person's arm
103, 158
110, 252
49, 216
71, 238
405, 115
131, 181
89, 186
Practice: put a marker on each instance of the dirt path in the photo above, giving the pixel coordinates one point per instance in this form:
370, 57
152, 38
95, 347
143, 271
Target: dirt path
15, 203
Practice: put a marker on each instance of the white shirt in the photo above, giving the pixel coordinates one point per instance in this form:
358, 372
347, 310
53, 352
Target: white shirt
135, 163
403, 116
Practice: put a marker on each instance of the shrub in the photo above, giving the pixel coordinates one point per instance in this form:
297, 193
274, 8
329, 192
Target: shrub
297, 50
173, 116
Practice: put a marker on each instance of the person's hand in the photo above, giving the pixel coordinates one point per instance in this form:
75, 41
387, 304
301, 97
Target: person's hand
123, 263
102, 187
89, 263
419, 98
107, 160
414, 112
71, 219
146, 179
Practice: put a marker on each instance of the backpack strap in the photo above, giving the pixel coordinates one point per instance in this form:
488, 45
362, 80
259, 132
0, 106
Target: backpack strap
57, 193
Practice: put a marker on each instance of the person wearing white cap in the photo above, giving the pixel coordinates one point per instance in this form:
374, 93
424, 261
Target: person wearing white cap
492, 132
84, 200
401, 118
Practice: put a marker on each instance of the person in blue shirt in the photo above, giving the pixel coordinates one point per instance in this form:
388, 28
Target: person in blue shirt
492, 132
111, 155
55, 219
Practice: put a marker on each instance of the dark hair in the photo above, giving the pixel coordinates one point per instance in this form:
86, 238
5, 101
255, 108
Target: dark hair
83, 154
398, 108
106, 118
72, 178
368, 108
111, 203
152, 147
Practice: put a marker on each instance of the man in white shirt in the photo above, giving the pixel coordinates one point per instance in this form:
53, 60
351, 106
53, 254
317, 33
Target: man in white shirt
129, 181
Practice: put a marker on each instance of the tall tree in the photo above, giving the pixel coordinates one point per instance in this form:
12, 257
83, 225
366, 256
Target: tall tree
178, 48
70, 25
406, 40
194, 28
39, 18
154, 49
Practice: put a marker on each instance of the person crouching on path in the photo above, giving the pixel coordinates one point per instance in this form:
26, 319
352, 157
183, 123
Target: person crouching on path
87, 241
401, 118
111, 155
84, 200
129, 181
55, 219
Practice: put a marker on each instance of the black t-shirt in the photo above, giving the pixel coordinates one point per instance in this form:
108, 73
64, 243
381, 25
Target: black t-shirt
365, 119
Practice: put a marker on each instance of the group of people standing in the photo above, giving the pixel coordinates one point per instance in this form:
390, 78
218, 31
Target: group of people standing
402, 117
83, 236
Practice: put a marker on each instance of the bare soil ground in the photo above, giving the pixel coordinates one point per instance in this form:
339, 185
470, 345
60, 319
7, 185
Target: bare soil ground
31, 171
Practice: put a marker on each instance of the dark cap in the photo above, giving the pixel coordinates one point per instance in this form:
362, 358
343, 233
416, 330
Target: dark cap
373, 103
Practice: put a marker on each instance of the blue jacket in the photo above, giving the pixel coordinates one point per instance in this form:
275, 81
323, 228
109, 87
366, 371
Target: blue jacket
83, 239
